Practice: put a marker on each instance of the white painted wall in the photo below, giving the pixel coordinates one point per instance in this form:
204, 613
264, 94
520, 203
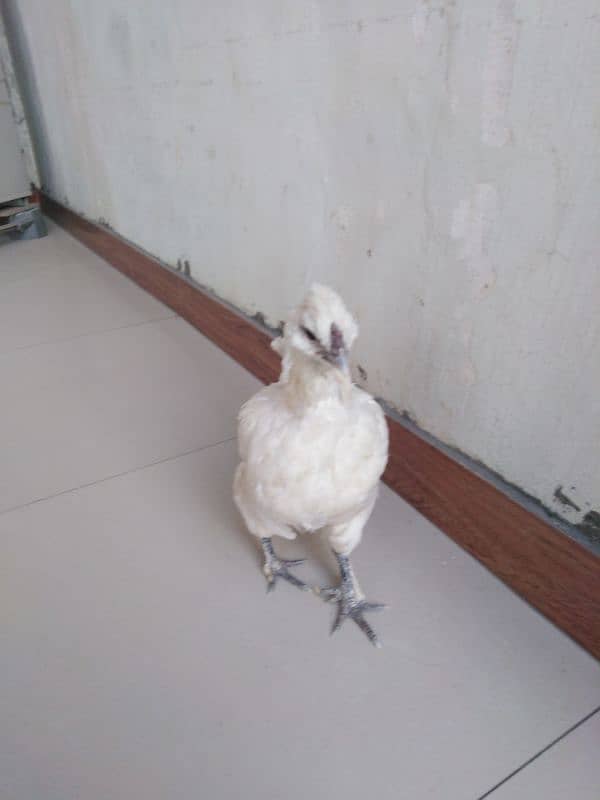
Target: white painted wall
438, 162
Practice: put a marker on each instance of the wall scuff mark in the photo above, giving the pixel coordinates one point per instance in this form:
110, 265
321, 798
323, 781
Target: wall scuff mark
564, 500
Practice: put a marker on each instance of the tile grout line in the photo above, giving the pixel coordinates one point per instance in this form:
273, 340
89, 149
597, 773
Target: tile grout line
85, 335
118, 475
540, 753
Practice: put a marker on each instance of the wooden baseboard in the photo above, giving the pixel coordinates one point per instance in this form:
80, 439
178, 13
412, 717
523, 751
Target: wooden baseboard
552, 572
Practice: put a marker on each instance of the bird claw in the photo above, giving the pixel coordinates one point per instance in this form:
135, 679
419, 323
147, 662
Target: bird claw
350, 606
275, 568
331, 594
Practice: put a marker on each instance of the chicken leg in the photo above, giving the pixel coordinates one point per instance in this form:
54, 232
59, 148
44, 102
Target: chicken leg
350, 600
275, 567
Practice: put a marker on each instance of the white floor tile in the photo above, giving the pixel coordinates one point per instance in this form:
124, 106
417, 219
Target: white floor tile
80, 410
570, 769
141, 656
55, 288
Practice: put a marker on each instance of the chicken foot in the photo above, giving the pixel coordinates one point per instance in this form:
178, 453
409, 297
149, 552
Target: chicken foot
275, 567
350, 600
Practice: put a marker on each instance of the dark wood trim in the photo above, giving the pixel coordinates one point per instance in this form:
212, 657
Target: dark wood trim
552, 572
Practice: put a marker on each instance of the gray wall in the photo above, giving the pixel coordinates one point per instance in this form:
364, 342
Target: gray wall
437, 162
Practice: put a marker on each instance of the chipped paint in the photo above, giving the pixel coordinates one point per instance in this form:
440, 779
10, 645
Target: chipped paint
590, 526
564, 499
183, 266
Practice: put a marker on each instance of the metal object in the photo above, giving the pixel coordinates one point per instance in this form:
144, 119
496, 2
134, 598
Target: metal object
22, 221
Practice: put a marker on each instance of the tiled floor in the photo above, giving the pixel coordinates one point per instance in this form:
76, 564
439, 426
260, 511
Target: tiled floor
140, 654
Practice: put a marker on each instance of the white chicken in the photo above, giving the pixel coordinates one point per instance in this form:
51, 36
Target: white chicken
313, 447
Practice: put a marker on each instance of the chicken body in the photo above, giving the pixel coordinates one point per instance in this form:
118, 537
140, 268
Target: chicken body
313, 447
313, 466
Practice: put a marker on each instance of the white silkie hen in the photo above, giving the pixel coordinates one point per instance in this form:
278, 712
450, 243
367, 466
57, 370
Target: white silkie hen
313, 447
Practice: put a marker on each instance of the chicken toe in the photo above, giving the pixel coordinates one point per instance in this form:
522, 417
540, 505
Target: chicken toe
275, 567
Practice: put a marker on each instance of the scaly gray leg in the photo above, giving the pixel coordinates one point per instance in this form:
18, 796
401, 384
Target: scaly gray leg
350, 601
275, 567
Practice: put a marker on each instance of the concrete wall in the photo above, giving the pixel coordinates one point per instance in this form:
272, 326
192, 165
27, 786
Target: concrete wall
437, 162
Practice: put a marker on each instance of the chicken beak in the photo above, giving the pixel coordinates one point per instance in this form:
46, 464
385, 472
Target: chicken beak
341, 360
337, 354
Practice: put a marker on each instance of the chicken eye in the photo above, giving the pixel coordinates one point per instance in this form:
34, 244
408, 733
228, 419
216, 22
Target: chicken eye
309, 334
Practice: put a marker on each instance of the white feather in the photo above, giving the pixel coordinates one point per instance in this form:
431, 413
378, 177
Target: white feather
312, 446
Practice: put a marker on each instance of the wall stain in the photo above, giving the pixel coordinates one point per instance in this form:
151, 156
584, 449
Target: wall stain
362, 372
409, 416
497, 75
183, 265
590, 525
564, 500
119, 37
